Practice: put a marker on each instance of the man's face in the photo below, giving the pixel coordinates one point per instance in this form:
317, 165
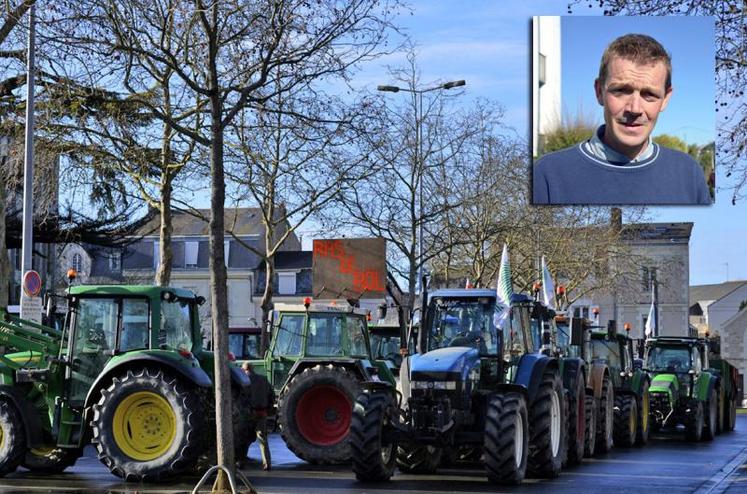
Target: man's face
632, 96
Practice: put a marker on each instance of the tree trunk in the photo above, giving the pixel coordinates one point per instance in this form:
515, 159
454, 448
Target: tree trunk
4, 261
218, 275
166, 259
267, 302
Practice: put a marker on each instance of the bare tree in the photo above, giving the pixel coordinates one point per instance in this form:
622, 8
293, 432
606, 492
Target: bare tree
292, 157
731, 71
224, 53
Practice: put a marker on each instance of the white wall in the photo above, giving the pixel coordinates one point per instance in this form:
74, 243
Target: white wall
546, 100
725, 308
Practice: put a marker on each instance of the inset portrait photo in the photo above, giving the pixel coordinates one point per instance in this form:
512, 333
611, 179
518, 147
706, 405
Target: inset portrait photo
623, 110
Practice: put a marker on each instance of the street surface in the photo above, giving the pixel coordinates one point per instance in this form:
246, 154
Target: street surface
667, 464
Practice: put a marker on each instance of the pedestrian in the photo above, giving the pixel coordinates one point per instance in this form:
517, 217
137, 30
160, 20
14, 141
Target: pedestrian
620, 163
262, 400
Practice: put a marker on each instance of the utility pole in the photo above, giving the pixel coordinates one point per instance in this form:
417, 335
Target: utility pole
655, 284
27, 248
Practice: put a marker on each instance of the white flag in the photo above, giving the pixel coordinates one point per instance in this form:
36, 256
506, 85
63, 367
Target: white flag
503, 290
651, 320
548, 288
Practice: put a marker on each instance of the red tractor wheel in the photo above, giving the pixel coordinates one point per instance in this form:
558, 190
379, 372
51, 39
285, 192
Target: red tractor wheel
315, 411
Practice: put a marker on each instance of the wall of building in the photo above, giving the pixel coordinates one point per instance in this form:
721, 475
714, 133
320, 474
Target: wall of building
546, 102
724, 309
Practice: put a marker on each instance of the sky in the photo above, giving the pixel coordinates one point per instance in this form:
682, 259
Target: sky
487, 43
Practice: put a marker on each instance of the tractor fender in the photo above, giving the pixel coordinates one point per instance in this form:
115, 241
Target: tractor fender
513, 388
705, 384
31, 420
196, 375
598, 371
531, 368
573, 369
639, 379
239, 378
353, 365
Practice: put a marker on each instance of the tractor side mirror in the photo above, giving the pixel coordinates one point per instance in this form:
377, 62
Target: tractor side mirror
577, 332
200, 300
381, 311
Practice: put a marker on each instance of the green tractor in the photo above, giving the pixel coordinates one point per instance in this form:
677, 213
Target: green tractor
685, 390
317, 359
127, 373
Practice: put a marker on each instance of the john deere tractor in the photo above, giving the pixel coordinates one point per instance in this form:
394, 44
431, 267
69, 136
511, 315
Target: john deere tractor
684, 389
127, 373
472, 385
318, 356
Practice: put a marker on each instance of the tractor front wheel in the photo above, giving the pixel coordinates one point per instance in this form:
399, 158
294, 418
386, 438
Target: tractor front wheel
591, 425
506, 438
373, 454
577, 422
694, 425
626, 420
315, 414
644, 419
606, 417
547, 427
711, 419
12, 438
147, 426
50, 459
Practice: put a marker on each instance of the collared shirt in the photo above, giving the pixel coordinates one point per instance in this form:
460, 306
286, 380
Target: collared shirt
596, 147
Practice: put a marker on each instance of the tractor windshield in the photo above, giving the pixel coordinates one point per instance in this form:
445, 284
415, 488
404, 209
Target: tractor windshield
327, 334
669, 359
176, 324
606, 351
463, 323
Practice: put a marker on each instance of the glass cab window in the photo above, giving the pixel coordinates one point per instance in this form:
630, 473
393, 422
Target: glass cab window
669, 359
134, 324
463, 323
356, 327
289, 335
176, 324
325, 335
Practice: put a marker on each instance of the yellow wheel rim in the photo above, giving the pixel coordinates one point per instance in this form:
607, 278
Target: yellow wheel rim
144, 426
2, 437
644, 416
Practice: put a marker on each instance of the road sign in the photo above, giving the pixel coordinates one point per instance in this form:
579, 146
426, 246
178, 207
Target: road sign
31, 302
353, 268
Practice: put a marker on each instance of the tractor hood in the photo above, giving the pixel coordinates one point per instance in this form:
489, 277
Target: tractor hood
665, 383
445, 363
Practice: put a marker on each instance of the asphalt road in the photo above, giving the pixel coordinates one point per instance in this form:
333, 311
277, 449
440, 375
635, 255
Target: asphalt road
667, 464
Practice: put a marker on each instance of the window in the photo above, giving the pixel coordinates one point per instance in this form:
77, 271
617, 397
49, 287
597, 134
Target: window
156, 254
190, 254
115, 261
135, 319
286, 283
77, 263
581, 312
289, 335
542, 70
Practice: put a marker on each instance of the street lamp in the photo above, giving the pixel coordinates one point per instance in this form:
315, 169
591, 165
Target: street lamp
418, 99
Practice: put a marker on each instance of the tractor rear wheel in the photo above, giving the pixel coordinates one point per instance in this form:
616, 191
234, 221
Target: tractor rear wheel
315, 414
547, 427
694, 424
591, 426
606, 417
711, 417
626, 420
418, 459
147, 426
644, 420
372, 454
577, 422
506, 438
50, 459
12, 438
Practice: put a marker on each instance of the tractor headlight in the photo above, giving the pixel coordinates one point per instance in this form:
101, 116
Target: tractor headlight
449, 385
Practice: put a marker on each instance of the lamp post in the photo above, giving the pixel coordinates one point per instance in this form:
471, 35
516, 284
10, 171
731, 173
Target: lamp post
418, 100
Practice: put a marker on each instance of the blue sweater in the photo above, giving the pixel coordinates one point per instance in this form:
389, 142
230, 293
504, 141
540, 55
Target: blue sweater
574, 176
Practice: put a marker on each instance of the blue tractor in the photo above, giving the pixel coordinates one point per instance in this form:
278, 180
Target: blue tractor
484, 378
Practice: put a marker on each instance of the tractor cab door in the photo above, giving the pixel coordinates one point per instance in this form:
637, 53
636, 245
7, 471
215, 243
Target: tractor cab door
287, 347
102, 327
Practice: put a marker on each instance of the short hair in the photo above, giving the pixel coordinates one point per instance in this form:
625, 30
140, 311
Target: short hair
246, 366
638, 48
